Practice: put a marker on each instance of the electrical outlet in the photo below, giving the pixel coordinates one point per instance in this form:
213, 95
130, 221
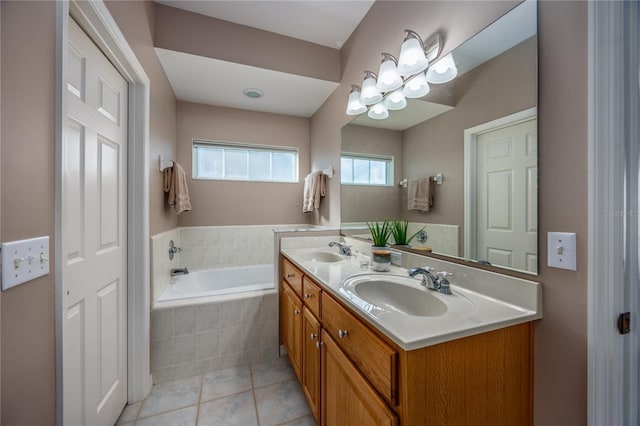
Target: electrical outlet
561, 250
24, 261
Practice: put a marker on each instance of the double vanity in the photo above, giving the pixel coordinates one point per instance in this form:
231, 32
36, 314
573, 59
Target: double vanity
381, 349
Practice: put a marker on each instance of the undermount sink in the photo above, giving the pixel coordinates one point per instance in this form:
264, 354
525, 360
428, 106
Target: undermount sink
322, 257
395, 294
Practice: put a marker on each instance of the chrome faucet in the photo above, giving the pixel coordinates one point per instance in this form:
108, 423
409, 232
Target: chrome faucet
345, 250
437, 282
179, 271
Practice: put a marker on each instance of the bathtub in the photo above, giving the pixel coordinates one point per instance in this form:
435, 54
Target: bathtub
210, 283
214, 319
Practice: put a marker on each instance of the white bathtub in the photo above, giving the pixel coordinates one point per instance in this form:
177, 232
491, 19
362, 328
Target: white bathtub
212, 284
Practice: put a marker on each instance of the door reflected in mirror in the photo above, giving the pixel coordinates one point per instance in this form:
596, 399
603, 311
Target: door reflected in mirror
480, 132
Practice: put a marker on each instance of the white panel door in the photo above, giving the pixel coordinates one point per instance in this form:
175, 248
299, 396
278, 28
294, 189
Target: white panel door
507, 191
94, 239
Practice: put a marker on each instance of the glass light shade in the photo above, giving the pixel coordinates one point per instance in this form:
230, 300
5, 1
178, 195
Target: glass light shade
395, 100
417, 87
412, 58
370, 95
442, 71
388, 77
354, 106
378, 111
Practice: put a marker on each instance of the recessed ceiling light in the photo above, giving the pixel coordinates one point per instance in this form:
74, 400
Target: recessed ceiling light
253, 93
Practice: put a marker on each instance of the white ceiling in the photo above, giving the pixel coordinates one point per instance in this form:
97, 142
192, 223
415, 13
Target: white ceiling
209, 81
325, 22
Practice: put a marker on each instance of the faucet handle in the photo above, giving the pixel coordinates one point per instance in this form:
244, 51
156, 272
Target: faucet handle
443, 282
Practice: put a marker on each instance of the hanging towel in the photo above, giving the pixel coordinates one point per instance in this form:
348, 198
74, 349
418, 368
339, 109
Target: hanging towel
175, 183
420, 194
315, 187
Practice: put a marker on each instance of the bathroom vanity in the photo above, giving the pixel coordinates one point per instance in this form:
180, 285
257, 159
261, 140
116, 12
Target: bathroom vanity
362, 363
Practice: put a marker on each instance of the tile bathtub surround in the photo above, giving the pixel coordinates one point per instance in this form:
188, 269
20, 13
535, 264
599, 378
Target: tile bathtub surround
196, 339
266, 393
206, 247
160, 263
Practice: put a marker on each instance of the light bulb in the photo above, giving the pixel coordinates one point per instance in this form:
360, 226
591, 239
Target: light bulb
370, 95
354, 106
395, 100
442, 71
417, 87
378, 111
412, 58
388, 77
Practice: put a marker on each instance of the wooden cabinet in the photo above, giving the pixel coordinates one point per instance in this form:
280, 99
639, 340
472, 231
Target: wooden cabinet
293, 276
376, 359
291, 326
359, 376
347, 398
311, 360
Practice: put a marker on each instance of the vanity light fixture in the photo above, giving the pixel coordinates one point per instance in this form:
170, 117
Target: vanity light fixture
370, 94
354, 106
395, 100
442, 71
388, 76
408, 76
378, 112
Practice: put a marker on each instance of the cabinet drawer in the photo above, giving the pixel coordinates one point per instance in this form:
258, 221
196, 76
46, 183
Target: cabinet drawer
311, 296
376, 359
292, 275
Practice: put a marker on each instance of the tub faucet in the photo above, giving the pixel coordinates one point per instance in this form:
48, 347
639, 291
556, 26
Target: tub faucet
438, 282
179, 271
345, 250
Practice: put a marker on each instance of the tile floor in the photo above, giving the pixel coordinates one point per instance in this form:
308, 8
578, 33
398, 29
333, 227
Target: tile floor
263, 394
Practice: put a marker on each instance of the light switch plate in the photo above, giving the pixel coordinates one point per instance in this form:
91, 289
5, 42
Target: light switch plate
561, 250
24, 261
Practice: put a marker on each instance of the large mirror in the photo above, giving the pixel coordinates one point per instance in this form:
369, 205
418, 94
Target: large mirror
475, 138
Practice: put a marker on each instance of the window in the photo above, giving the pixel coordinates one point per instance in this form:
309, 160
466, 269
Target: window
235, 161
366, 169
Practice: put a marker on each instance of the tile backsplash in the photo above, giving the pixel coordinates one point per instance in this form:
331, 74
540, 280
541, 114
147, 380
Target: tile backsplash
160, 263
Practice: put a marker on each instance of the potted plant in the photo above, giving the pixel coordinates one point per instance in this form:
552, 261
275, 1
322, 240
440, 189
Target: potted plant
399, 231
380, 233
380, 255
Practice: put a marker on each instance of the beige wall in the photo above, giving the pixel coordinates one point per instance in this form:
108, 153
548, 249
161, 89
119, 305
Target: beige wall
136, 20
502, 86
561, 350
367, 203
27, 191
201, 35
28, 340
241, 203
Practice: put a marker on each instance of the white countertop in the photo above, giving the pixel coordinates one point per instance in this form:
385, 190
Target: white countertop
469, 311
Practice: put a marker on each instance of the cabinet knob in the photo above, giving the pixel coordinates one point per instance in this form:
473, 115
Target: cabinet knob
308, 295
296, 312
313, 336
343, 333
319, 344
291, 275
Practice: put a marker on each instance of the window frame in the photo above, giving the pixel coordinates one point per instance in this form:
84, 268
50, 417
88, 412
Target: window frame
246, 147
389, 159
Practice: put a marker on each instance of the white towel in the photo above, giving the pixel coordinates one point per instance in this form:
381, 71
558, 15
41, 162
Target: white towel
314, 189
175, 183
420, 194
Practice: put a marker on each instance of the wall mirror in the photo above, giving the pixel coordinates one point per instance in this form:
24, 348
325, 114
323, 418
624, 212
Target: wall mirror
479, 132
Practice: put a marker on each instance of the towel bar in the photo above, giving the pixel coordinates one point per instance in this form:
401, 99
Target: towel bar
437, 179
164, 164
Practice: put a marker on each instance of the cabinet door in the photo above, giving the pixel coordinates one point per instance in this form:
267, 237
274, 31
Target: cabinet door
311, 360
291, 327
347, 398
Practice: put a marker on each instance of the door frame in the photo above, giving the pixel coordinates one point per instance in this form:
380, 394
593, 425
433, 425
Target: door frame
95, 19
612, 369
470, 160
